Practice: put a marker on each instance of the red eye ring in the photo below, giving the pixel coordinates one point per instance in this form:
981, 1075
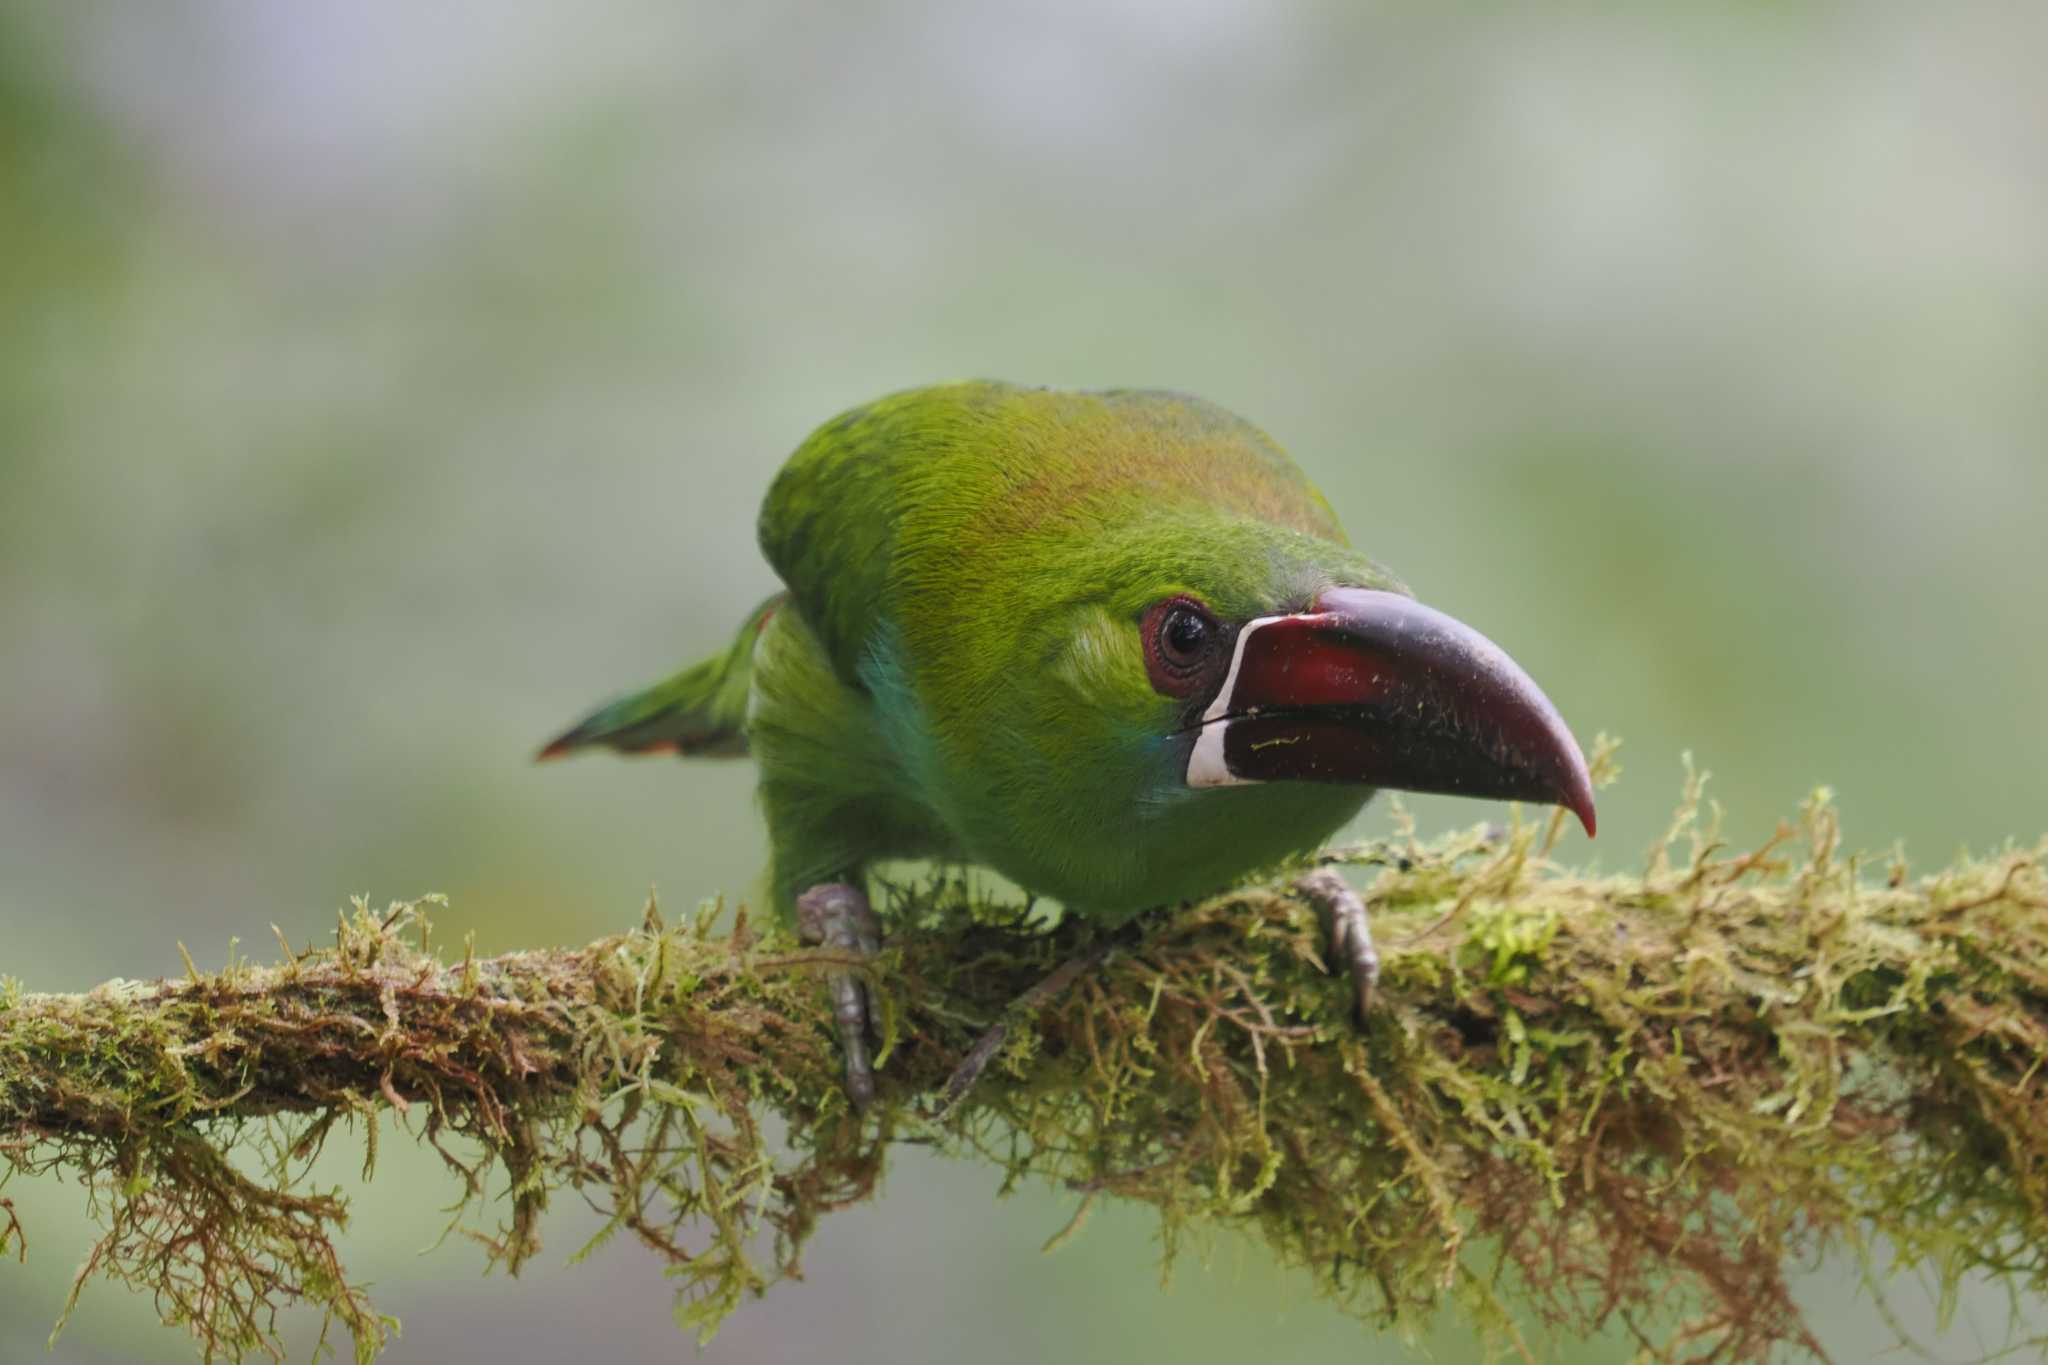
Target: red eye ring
1180, 644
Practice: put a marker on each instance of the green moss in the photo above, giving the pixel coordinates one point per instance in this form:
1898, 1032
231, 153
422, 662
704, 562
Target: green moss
1632, 1098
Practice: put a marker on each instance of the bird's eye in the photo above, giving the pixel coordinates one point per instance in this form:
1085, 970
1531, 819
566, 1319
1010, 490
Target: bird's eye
1185, 635
1180, 641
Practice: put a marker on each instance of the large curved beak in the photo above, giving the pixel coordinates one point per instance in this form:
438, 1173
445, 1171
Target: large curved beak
1377, 689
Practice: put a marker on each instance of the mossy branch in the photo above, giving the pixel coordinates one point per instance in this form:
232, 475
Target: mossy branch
1580, 1098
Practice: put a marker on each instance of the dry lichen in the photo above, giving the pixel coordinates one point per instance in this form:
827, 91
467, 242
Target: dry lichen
1599, 1099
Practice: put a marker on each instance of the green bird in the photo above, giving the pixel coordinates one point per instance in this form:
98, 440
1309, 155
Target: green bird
1112, 645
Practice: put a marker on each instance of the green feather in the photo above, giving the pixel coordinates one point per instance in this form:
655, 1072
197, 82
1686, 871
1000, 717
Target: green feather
700, 712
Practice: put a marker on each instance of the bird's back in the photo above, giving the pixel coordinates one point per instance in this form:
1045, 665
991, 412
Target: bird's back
933, 488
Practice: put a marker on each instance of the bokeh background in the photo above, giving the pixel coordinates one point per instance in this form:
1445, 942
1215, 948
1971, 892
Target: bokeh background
381, 384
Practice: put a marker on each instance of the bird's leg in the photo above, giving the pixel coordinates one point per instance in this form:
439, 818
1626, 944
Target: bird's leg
837, 915
1342, 912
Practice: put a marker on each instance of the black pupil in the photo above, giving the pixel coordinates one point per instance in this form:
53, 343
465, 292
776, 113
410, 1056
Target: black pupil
1186, 633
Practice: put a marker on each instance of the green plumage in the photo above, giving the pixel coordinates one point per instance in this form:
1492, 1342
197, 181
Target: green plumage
958, 672
700, 712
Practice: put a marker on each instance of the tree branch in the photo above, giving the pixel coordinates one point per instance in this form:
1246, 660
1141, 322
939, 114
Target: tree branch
1587, 1098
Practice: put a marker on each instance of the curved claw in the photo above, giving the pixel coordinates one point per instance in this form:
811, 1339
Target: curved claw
837, 915
1342, 912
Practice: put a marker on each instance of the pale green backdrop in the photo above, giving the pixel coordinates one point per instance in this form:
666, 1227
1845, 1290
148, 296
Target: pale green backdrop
381, 383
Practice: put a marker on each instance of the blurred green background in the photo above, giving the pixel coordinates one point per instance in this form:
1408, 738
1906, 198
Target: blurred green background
382, 384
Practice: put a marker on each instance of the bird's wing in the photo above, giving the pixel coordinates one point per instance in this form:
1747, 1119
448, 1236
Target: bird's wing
700, 712
829, 522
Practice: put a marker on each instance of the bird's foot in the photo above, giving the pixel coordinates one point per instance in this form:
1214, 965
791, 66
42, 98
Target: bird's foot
1342, 912
837, 915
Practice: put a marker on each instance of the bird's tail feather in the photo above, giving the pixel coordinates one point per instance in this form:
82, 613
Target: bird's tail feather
699, 712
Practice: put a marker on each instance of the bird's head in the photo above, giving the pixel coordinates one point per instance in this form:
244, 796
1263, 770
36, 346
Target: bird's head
1251, 653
